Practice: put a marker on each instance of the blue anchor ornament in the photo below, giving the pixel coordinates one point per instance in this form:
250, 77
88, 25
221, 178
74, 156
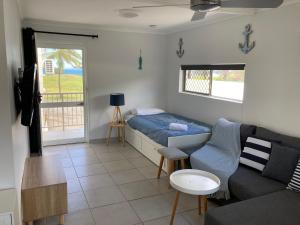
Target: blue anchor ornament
246, 47
180, 52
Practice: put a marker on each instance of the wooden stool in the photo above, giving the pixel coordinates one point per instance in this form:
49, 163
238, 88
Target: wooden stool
172, 154
121, 132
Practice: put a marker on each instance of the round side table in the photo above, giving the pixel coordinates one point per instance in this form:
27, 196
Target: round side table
194, 182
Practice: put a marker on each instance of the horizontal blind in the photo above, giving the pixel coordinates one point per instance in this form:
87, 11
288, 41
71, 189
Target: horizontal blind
214, 67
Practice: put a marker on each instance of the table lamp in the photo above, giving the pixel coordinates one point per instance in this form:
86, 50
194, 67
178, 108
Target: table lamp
117, 100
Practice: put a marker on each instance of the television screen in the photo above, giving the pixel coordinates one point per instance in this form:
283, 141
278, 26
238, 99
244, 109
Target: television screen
27, 95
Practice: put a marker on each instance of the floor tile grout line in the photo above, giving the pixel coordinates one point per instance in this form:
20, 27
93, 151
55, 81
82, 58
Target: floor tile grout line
89, 208
117, 203
129, 204
135, 212
143, 221
118, 186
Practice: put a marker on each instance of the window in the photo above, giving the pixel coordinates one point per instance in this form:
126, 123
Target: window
223, 81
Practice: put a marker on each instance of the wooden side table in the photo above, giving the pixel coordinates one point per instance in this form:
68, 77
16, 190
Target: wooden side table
121, 131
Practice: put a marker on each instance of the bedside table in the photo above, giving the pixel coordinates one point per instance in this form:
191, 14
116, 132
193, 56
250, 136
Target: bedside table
121, 131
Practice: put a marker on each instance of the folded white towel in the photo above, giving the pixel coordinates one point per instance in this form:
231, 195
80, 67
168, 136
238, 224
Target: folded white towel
178, 127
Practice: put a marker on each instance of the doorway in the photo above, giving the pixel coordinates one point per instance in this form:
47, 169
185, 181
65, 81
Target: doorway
62, 86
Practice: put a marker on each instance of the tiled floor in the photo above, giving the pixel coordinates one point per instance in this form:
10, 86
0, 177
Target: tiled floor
54, 135
116, 185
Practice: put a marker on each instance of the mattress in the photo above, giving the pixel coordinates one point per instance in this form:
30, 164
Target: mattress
156, 127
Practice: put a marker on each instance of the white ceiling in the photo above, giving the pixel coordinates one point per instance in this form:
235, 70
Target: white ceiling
105, 13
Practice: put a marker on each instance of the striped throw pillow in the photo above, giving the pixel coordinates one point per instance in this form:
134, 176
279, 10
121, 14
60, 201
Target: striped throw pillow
256, 153
294, 184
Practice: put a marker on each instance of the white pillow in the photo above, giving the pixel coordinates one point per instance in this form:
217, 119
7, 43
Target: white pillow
146, 111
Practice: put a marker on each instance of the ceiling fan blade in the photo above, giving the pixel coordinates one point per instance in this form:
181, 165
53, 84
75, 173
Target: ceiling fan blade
237, 11
251, 3
159, 6
198, 16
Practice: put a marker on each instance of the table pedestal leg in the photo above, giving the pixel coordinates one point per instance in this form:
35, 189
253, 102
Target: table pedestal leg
175, 207
202, 204
182, 164
205, 206
199, 205
171, 169
123, 135
109, 134
162, 158
61, 220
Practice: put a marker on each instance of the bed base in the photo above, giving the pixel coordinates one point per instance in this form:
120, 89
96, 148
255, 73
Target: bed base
149, 148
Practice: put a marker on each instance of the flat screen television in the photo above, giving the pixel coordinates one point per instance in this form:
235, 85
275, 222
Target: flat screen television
28, 94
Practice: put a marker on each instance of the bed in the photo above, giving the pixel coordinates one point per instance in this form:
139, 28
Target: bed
148, 133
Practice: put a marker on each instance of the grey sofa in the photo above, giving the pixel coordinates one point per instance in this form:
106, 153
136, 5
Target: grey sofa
259, 200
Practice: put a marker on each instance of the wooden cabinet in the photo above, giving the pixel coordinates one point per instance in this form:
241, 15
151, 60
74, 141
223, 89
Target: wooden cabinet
44, 189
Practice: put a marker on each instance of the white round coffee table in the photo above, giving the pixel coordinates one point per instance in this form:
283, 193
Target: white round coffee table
194, 182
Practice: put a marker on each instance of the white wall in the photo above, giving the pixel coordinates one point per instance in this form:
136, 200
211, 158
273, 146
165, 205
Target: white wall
272, 90
112, 66
6, 156
14, 61
13, 136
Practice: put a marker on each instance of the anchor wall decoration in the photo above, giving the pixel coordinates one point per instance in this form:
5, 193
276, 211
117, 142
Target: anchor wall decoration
180, 52
246, 47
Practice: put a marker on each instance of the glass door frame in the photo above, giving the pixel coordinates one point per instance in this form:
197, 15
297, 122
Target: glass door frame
61, 45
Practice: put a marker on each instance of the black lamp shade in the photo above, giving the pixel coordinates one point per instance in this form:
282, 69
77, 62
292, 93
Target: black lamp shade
117, 99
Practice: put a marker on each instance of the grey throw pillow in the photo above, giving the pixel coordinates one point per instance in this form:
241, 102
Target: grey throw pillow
282, 163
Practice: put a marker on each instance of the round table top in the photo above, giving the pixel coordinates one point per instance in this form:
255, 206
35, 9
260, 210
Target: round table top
195, 182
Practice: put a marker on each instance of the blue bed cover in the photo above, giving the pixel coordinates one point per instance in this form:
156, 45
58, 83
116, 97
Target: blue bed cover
156, 127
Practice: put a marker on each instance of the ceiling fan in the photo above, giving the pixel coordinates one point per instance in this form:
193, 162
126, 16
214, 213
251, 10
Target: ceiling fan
202, 7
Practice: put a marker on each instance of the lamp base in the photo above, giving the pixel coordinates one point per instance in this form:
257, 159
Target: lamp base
117, 116
118, 123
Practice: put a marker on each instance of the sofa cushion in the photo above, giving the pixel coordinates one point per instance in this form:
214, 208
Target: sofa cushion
245, 132
247, 183
279, 208
282, 163
256, 153
295, 181
269, 135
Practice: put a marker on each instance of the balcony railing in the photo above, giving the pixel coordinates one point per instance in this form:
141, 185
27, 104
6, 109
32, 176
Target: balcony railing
61, 111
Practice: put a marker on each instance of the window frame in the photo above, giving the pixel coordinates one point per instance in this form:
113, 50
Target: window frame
211, 68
